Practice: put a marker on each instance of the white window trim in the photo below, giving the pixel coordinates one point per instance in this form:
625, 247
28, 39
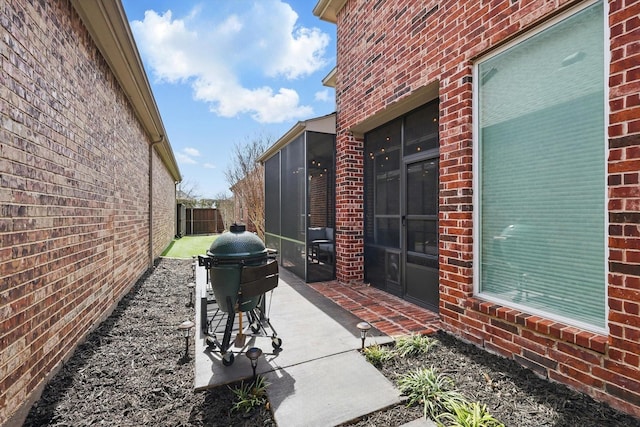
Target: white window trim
477, 220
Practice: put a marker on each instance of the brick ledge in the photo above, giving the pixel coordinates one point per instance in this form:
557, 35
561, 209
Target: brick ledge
560, 331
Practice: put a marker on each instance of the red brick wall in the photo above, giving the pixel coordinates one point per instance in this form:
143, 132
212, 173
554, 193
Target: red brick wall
74, 198
349, 230
164, 206
389, 49
620, 371
318, 208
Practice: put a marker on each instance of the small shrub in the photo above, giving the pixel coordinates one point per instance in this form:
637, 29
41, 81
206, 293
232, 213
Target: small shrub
250, 395
468, 415
377, 355
413, 345
433, 390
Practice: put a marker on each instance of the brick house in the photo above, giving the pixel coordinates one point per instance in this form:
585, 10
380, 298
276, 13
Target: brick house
487, 167
87, 183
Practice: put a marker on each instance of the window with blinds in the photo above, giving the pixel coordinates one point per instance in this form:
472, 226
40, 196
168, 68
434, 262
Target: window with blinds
540, 157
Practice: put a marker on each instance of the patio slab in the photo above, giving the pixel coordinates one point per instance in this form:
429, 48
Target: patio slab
318, 377
310, 326
328, 391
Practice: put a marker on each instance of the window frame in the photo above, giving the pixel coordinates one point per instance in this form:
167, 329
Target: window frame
477, 179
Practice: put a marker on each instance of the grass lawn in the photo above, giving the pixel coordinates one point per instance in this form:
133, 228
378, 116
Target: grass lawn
188, 246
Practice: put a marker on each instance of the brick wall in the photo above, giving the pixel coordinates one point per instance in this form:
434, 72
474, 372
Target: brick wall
74, 198
620, 370
386, 51
318, 208
164, 206
349, 232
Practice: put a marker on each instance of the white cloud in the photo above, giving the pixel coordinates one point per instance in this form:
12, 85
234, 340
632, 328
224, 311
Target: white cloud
166, 45
191, 152
262, 104
221, 60
184, 159
209, 166
323, 95
284, 47
186, 156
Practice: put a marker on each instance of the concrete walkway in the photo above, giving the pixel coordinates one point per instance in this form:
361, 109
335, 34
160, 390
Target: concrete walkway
319, 378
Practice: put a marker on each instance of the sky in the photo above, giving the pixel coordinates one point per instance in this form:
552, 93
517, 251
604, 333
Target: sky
224, 72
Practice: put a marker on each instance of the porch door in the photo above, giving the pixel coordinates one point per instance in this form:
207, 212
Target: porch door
420, 231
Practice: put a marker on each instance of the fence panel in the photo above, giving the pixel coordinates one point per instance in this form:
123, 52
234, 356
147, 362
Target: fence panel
204, 221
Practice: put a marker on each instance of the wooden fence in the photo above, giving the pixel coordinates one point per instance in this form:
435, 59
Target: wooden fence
200, 221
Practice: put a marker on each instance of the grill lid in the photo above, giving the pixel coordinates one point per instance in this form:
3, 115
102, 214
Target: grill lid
237, 245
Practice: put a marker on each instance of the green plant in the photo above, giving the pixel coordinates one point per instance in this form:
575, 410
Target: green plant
414, 344
433, 390
377, 354
468, 415
250, 395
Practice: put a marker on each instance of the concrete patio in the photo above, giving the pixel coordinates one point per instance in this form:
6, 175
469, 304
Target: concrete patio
319, 378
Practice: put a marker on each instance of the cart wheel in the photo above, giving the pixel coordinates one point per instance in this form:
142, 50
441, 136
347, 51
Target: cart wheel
227, 359
276, 343
255, 327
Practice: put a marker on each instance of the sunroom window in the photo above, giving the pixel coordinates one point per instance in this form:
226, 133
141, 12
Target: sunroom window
540, 157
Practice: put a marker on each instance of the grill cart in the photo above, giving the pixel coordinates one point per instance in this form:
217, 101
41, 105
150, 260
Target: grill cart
240, 270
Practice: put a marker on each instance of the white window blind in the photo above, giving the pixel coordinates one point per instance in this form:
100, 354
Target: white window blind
541, 139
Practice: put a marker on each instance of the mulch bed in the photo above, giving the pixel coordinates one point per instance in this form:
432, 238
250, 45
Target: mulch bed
514, 395
131, 371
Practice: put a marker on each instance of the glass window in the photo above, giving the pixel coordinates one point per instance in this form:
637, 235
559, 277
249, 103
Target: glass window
541, 145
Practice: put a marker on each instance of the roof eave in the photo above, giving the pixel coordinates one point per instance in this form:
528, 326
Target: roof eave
291, 134
327, 10
325, 124
330, 79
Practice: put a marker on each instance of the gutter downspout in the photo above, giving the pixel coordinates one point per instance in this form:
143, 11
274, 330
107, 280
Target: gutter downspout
153, 144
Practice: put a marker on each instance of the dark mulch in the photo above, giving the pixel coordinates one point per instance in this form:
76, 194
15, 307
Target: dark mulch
513, 395
131, 371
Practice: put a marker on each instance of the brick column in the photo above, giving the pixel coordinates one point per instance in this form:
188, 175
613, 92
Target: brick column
349, 209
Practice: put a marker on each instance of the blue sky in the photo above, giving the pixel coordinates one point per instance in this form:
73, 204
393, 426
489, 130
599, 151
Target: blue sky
226, 71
